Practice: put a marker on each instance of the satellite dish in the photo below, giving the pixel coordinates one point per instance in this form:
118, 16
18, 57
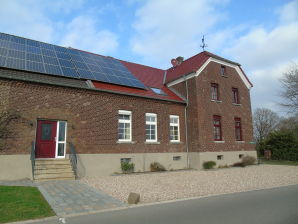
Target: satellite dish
174, 62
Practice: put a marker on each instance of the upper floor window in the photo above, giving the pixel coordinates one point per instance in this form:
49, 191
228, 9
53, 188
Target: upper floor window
238, 131
217, 133
214, 91
223, 70
151, 127
174, 128
124, 125
235, 93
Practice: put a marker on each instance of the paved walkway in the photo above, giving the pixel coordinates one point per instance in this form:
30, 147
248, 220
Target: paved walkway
68, 197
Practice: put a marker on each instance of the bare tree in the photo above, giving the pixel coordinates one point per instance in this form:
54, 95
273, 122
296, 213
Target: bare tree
265, 121
289, 124
290, 91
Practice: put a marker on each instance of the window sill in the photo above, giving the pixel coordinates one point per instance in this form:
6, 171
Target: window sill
240, 141
236, 104
153, 143
176, 142
219, 141
125, 142
216, 101
225, 76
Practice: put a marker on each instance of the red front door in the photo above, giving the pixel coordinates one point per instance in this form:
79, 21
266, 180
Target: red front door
46, 139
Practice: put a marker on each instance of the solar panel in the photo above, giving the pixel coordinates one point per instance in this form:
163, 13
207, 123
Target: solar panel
30, 55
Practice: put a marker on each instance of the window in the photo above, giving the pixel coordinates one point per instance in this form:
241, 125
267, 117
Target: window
151, 127
235, 96
61, 143
174, 128
125, 160
223, 70
124, 125
175, 158
214, 91
219, 157
158, 91
217, 128
238, 131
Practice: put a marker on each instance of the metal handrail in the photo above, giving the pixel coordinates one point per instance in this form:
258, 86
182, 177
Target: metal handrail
73, 158
32, 157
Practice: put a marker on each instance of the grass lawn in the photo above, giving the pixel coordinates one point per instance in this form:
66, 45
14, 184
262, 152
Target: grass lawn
279, 162
22, 203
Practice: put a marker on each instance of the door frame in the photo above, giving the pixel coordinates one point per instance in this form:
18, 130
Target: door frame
56, 138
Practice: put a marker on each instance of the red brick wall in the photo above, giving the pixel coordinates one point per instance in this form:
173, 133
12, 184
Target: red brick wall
92, 118
201, 110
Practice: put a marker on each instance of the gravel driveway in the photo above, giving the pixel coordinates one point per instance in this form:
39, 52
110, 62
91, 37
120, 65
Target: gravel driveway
155, 187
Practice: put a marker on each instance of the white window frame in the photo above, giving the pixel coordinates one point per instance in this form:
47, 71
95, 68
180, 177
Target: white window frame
57, 140
125, 112
176, 125
152, 123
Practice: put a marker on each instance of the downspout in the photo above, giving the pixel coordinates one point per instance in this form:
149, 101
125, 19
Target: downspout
186, 129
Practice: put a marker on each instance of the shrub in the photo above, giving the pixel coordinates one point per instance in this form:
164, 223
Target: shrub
239, 164
283, 145
209, 165
127, 167
248, 160
157, 167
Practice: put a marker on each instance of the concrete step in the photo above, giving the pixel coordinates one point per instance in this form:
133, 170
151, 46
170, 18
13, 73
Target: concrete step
52, 166
53, 176
53, 161
52, 171
57, 178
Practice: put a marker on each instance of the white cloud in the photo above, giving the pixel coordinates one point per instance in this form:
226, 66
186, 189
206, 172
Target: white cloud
169, 28
266, 54
81, 33
41, 20
26, 19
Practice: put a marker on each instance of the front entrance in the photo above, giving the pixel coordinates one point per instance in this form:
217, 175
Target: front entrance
50, 139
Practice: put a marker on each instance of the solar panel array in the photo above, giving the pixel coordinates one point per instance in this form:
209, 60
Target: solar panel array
29, 55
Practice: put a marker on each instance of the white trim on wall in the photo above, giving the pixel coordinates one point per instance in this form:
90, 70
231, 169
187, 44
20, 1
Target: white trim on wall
199, 71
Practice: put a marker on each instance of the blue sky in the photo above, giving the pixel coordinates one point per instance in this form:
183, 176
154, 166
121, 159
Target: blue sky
261, 35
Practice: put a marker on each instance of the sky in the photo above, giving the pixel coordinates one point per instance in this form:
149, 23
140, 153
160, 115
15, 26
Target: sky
260, 35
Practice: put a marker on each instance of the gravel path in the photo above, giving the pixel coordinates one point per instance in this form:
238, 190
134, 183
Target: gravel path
155, 187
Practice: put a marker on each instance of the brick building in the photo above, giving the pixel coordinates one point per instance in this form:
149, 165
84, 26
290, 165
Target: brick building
197, 110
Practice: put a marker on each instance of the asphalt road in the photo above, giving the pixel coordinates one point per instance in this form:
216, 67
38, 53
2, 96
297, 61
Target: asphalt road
272, 206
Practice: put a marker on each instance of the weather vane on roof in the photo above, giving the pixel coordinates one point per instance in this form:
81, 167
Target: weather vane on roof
203, 46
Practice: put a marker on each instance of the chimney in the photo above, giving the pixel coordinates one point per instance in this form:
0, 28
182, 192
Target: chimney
179, 59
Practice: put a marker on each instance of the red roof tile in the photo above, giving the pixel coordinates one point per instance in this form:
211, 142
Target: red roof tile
189, 65
152, 77
139, 92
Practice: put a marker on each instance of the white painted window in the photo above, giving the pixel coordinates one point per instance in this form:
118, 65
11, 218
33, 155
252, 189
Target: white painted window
124, 125
151, 127
174, 128
61, 139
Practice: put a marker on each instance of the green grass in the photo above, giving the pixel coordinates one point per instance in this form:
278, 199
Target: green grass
279, 162
22, 203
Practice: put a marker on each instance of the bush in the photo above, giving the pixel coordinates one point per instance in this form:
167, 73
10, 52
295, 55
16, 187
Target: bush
127, 167
209, 165
248, 160
239, 164
157, 167
283, 145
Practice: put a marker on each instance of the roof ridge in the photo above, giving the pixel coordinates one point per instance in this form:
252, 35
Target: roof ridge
140, 64
189, 58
